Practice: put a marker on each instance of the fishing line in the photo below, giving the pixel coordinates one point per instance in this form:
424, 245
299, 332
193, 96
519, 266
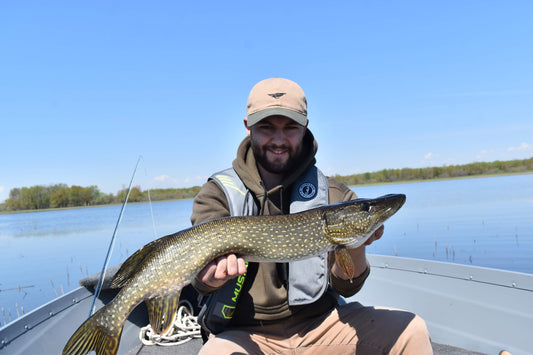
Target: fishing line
112, 243
150, 204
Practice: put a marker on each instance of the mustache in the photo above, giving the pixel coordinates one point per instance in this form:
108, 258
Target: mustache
276, 146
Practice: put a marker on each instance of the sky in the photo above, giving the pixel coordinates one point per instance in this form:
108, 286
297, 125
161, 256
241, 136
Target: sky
88, 87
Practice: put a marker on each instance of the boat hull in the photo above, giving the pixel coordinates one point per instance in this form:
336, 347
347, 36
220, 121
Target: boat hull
465, 307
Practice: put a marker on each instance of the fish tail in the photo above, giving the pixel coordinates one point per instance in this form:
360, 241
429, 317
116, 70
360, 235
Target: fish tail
92, 335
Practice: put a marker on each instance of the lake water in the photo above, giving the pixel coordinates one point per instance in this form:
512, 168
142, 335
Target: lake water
483, 222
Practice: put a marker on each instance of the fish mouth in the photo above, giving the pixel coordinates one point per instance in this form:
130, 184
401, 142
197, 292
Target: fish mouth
380, 209
388, 205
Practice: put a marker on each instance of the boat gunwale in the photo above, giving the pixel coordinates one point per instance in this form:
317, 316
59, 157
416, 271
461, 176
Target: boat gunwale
492, 276
22, 325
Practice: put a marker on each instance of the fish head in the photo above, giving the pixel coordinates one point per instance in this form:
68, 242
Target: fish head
349, 224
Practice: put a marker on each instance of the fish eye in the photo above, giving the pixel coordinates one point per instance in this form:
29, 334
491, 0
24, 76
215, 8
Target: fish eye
365, 206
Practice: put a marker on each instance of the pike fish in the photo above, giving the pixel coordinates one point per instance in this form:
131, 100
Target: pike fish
157, 272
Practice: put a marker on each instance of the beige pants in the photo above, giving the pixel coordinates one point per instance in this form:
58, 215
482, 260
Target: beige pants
348, 329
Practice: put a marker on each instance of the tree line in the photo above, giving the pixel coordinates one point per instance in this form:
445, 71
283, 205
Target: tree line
444, 172
53, 196
61, 195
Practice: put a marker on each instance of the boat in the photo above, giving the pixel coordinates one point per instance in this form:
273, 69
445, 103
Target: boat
468, 310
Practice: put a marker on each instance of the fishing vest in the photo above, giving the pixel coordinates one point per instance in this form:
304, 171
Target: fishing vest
307, 279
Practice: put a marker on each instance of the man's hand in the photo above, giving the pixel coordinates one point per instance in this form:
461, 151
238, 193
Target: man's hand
222, 269
377, 235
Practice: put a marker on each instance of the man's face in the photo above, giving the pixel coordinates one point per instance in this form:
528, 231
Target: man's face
276, 143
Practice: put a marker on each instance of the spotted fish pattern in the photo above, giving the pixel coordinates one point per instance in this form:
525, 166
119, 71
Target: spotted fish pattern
157, 272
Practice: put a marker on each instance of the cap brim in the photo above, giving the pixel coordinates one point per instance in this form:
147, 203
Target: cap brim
277, 111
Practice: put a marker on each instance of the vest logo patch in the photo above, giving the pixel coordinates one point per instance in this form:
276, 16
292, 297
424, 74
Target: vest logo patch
228, 311
307, 190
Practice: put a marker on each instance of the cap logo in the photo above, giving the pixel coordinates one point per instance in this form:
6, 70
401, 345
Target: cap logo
307, 190
277, 95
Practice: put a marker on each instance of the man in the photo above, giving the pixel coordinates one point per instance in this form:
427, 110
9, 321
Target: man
279, 307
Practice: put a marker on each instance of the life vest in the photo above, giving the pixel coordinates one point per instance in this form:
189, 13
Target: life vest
307, 279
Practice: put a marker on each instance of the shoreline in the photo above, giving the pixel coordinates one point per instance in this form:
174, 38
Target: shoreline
91, 206
480, 176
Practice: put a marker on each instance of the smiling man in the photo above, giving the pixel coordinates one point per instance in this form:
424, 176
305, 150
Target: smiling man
258, 308
276, 143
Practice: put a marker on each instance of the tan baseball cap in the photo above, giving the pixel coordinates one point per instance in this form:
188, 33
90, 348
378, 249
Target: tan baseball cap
276, 96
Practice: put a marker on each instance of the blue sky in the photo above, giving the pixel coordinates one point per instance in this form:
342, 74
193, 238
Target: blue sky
89, 86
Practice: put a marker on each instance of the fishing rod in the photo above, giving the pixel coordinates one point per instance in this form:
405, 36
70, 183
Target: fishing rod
112, 243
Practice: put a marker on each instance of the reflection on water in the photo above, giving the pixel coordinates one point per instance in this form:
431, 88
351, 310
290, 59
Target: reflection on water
484, 222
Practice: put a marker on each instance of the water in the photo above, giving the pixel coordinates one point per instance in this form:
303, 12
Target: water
44, 254
484, 222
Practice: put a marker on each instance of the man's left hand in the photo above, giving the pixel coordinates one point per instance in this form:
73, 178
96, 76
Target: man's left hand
377, 235
351, 263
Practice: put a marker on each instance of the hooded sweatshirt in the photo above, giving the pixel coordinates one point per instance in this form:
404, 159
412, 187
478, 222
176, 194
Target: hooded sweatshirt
264, 293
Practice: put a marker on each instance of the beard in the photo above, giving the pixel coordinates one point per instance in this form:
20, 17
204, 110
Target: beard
275, 166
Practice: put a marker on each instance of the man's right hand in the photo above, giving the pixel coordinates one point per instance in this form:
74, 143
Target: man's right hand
222, 269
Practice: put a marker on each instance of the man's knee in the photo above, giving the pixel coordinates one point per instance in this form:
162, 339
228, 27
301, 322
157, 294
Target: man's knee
418, 327
230, 342
415, 339
221, 346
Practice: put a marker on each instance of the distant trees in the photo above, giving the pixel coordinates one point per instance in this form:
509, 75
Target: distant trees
35, 197
445, 172
54, 196
61, 195
173, 194
137, 195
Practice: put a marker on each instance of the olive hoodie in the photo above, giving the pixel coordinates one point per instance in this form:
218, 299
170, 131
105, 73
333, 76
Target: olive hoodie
264, 293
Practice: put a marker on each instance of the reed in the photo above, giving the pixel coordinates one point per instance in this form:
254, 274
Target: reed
55, 290
18, 288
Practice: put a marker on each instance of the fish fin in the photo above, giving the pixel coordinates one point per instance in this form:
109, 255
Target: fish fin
130, 266
91, 335
162, 310
345, 262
